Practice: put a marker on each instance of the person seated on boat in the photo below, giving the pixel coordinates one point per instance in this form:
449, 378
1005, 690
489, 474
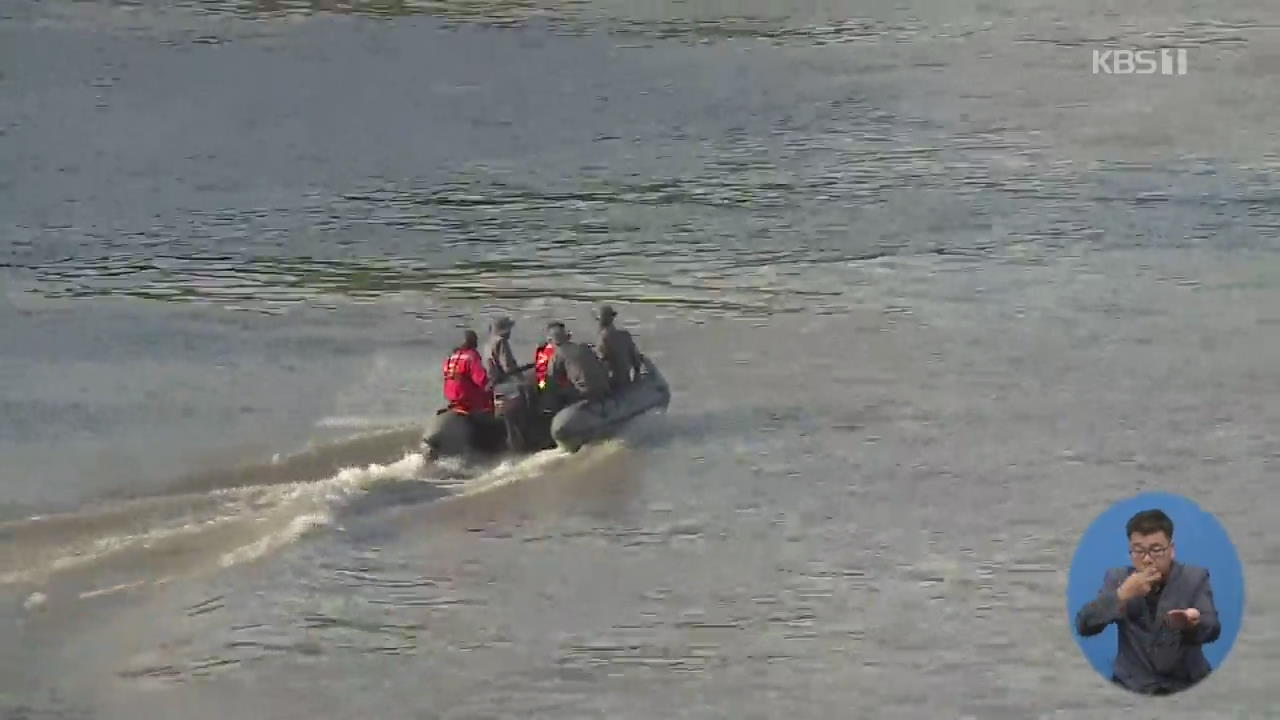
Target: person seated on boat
542, 361
500, 362
544, 399
575, 373
617, 350
468, 393
466, 384
526, 412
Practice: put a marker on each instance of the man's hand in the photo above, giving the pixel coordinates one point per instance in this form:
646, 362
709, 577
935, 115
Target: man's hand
1183, 619
1138, 584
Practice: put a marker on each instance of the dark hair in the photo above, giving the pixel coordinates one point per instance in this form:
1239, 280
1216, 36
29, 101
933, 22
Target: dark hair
555, 324
1149, 522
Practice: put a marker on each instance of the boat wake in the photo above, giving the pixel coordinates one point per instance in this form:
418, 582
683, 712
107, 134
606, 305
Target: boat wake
123, 544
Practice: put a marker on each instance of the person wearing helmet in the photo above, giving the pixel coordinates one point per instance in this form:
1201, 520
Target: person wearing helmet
617, 350
575, 373
499, 360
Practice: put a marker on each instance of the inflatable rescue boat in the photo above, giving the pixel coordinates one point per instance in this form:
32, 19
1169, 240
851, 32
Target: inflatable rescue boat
450, 433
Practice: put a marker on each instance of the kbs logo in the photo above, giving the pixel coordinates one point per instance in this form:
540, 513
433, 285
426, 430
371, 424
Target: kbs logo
1167, 61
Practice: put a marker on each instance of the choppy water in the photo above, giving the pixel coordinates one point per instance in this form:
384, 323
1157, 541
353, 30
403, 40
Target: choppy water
930, 295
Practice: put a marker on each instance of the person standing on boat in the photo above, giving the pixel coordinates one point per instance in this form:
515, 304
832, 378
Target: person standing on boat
499, 360
617, 350
515, 409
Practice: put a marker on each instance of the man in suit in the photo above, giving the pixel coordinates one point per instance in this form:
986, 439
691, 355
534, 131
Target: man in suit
1163, 611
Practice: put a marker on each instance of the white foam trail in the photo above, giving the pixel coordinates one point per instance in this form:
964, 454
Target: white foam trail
296, 528
321, 496
535, 465
113, 589
247, 523
299, 506
509, 471
452, 464
324, 495
362, 422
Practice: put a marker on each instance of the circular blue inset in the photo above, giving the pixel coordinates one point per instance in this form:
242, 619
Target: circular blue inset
1198, 539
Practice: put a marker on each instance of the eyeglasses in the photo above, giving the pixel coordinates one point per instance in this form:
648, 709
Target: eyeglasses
1154, 552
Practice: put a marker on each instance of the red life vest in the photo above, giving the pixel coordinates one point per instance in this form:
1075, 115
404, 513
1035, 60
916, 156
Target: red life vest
465, 382
542, 362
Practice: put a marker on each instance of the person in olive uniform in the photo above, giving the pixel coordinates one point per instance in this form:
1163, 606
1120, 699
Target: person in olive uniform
617, 350
498, 359
515, 408
575, 372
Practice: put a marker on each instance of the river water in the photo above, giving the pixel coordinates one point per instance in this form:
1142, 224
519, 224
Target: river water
930, 294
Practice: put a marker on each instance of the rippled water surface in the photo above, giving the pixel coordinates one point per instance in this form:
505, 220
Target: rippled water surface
930, 295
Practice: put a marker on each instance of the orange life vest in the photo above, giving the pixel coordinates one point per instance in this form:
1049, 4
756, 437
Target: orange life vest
542, 362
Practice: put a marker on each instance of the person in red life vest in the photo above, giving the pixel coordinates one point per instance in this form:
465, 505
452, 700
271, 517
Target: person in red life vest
527, 413
541, 361
466, 384
546, 353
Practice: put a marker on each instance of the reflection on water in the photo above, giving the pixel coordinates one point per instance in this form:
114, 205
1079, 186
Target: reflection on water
792, 22
739, 239
751, 196
265, 284
367, 7
491, 10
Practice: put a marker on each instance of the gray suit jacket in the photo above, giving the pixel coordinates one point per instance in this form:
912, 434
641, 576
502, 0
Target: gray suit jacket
1151, 657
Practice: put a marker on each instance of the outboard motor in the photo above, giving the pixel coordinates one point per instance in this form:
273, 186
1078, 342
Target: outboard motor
505, 393
516, 399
